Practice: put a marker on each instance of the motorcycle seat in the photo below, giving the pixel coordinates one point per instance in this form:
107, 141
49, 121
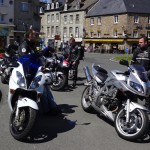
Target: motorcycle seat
102, 76
100, 69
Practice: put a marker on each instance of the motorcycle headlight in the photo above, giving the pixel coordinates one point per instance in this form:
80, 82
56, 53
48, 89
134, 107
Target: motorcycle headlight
21, 79
137, 87
36, 82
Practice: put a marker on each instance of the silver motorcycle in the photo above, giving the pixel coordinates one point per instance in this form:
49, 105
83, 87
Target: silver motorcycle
116, 95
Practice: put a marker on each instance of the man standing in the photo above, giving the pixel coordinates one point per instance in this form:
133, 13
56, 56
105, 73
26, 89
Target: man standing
74, 58
141, 54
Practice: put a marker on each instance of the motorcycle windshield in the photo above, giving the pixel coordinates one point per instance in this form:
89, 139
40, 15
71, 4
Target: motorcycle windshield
140, 70
30, 63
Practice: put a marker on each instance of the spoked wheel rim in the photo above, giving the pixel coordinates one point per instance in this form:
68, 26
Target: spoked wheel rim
85, 98
134, 126
59, 81
19, 125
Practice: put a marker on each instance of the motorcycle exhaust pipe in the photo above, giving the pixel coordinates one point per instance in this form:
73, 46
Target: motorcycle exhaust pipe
87, 73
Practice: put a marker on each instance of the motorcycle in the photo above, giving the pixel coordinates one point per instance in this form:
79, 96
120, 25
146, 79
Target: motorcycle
8, 62
115, 95
26, 86
59, 68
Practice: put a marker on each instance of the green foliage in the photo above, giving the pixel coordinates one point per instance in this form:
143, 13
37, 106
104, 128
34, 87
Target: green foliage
125, 57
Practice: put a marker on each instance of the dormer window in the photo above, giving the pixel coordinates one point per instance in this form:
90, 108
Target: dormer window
57, 5
52, 6
78, 5
65, 7
48, 7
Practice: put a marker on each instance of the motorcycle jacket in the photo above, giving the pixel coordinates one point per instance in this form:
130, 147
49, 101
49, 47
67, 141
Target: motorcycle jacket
142, 57
27, 47
73, 53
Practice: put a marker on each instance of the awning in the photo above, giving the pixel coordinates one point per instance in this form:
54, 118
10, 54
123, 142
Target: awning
105, 40
132, 40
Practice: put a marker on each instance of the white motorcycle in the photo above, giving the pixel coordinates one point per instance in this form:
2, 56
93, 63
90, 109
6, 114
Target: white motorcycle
26, 86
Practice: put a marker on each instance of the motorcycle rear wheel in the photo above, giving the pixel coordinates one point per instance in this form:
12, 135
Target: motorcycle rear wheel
20, 129
85, 101
60, 83
137, 126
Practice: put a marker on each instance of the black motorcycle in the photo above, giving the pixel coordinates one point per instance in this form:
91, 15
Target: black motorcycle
8, 62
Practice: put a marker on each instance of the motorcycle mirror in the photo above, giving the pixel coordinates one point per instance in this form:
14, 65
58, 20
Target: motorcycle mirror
124, 62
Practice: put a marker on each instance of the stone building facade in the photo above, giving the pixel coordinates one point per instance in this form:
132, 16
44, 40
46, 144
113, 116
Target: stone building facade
112, 31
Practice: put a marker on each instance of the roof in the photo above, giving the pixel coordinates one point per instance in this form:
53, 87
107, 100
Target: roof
85, 4
107, 7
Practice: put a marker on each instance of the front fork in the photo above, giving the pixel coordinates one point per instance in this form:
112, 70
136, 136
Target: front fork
127, 110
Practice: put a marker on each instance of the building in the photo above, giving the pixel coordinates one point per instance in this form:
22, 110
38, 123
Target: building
117, 24
26, 14
6, 22
64, 19
73, 18
50, 22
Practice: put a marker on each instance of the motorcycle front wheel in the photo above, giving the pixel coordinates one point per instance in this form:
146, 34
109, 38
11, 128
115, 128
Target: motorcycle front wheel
60, 83
20, 127
137, 126
85, 101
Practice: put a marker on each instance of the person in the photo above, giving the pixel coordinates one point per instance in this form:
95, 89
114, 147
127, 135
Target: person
29, 46
72, 54
48, 51
141, 55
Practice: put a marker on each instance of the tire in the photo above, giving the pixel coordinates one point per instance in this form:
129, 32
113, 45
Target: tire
137, 126
22, 130
85, 102
60, 83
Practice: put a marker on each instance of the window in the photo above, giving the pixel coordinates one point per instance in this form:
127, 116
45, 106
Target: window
77, 32
48, 18
78, 5
65, 19
115, 19
1, 2
99, 21
92, 21
148, 34
1, 18
65, 31
52, 17
91, 34
24, 6
98, 34
135, 34
57, 17
77, 18
48, 31
136, 19
57, 30
52, 31
71, 19
57, 4
70, 31
148, 19
115, 33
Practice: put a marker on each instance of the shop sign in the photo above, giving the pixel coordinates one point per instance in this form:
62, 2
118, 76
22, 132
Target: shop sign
4, 31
